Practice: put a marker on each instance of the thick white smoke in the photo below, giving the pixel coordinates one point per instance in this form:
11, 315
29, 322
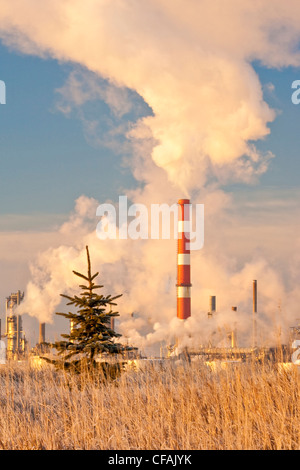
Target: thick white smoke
191, 63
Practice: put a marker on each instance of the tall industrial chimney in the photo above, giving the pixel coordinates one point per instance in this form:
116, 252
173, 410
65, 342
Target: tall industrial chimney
183, 261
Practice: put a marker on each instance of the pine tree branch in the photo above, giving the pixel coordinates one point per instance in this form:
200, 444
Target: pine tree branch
81, 275
89, 263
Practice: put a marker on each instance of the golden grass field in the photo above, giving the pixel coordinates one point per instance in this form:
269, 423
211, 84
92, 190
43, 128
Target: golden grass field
179, 407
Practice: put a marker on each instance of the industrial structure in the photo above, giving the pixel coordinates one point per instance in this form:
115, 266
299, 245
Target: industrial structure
183, 261
210, 352
16, 341
42, 333
212, 306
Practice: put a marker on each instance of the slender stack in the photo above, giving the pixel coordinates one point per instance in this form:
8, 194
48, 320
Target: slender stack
212, 306
42, 333
254, 313
183, 261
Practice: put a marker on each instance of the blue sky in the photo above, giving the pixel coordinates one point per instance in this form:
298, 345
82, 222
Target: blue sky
46, 162
284, 138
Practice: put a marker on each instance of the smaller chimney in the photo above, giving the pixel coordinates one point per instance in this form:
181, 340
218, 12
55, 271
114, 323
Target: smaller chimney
42, 337
212, 306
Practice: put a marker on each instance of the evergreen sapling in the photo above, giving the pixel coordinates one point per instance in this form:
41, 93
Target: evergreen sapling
91, 333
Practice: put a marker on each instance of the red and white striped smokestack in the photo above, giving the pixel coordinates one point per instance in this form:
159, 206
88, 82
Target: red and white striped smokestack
183, 261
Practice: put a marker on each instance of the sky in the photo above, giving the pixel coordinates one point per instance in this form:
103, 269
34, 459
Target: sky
157, 102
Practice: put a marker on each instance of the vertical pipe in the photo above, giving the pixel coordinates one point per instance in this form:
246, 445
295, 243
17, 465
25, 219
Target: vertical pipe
6, 315
183, 261
18, 333
234, 332
254, 313
233, 338
212, 305
42, 336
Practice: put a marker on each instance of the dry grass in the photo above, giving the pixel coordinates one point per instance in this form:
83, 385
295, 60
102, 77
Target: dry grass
178, 407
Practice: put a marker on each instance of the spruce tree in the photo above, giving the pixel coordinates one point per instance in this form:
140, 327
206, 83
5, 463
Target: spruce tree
91, 333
